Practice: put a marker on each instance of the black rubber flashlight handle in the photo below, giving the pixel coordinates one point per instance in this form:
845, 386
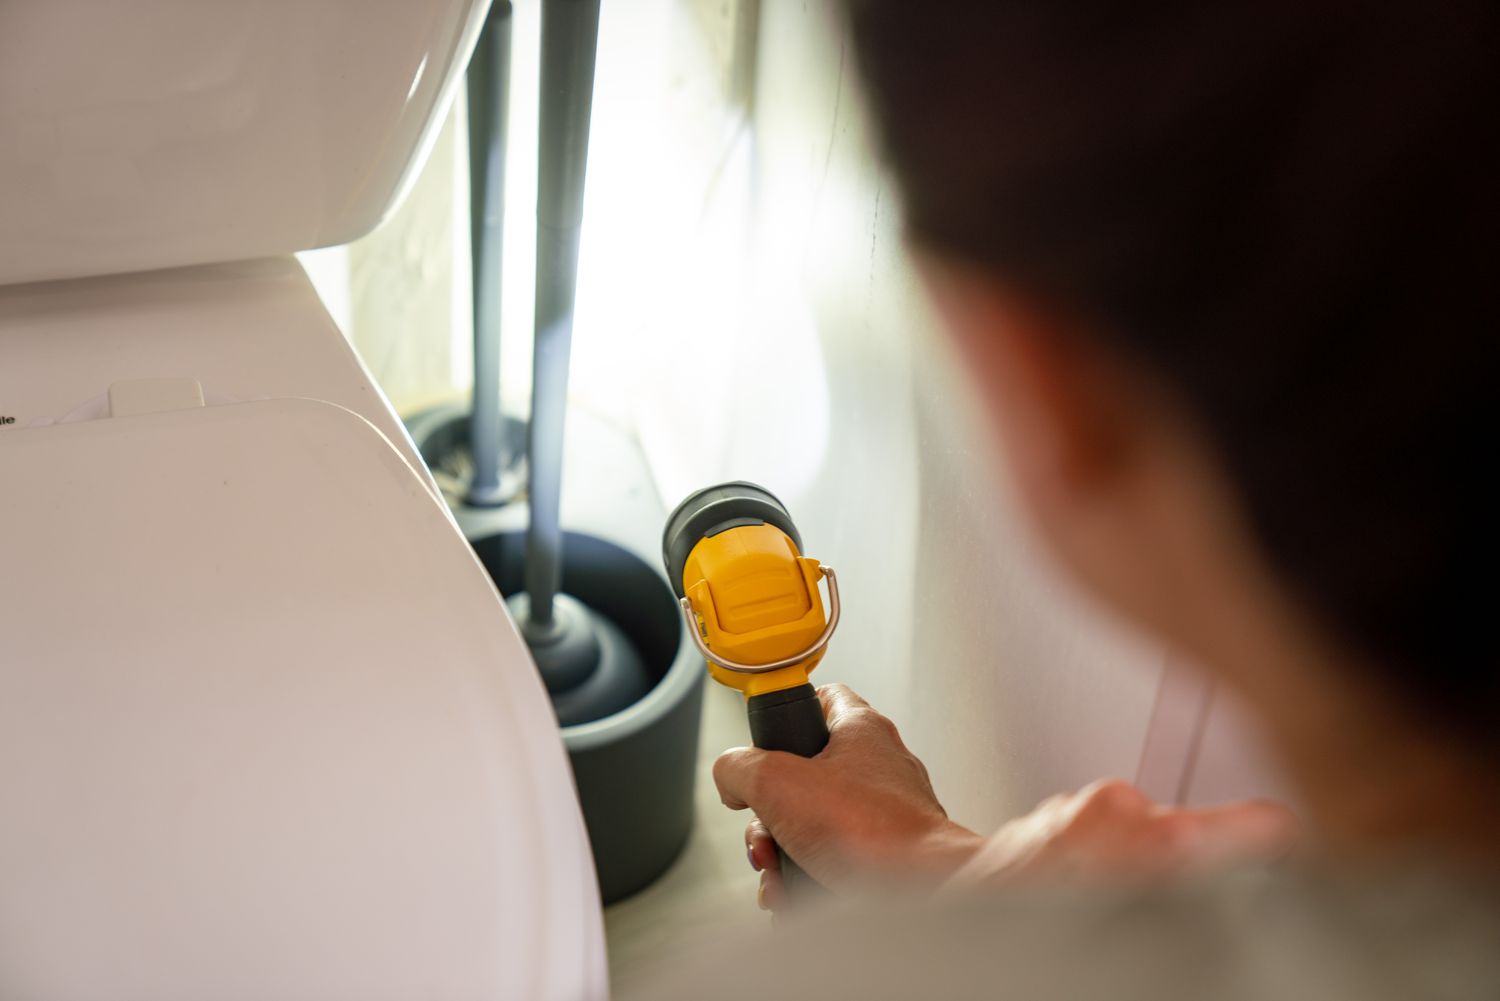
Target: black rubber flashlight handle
790, 720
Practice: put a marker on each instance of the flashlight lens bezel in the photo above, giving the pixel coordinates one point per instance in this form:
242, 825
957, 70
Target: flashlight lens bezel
707, 512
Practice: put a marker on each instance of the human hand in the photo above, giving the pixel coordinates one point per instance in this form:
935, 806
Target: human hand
1110, 830
861, 812
864, 812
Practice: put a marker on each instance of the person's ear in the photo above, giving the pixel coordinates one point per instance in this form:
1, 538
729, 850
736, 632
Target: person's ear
1061, 403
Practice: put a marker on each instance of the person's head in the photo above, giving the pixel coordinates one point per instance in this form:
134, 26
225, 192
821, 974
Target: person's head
1223, 271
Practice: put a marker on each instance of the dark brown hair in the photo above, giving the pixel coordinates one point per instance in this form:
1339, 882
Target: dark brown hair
1287, 210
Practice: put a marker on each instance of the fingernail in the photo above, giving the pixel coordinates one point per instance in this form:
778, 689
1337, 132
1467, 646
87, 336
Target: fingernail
750, 857
760, 897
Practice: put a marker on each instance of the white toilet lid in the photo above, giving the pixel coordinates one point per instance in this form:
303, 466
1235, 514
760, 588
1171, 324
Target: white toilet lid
265, 731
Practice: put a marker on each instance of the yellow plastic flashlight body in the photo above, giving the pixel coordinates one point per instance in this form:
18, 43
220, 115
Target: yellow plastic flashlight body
757, 600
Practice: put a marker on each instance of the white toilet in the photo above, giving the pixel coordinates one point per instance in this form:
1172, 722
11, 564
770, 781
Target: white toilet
265, 729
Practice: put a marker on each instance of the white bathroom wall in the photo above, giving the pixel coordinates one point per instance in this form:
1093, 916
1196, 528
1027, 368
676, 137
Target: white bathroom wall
822, 374
401, 294
669, 128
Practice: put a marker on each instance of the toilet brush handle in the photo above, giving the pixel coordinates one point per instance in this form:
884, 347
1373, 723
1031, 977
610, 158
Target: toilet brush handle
790, 720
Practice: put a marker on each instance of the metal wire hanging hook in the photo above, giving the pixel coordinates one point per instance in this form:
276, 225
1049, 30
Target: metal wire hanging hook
690, 617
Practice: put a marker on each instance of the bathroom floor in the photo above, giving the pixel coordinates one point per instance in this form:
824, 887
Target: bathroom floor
709, 885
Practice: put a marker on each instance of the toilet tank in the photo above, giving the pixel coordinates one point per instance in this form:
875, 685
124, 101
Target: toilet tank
161, 133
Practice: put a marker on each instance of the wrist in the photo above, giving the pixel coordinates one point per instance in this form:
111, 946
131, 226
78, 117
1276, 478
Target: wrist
990, 858
949, 849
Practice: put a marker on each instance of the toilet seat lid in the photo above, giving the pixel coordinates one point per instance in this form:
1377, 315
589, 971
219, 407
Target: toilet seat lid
265, 730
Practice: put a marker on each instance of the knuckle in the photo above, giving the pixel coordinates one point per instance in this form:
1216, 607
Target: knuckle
872, 722
724, 766
1108, 803
1114, 796
753, 784
738, 774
